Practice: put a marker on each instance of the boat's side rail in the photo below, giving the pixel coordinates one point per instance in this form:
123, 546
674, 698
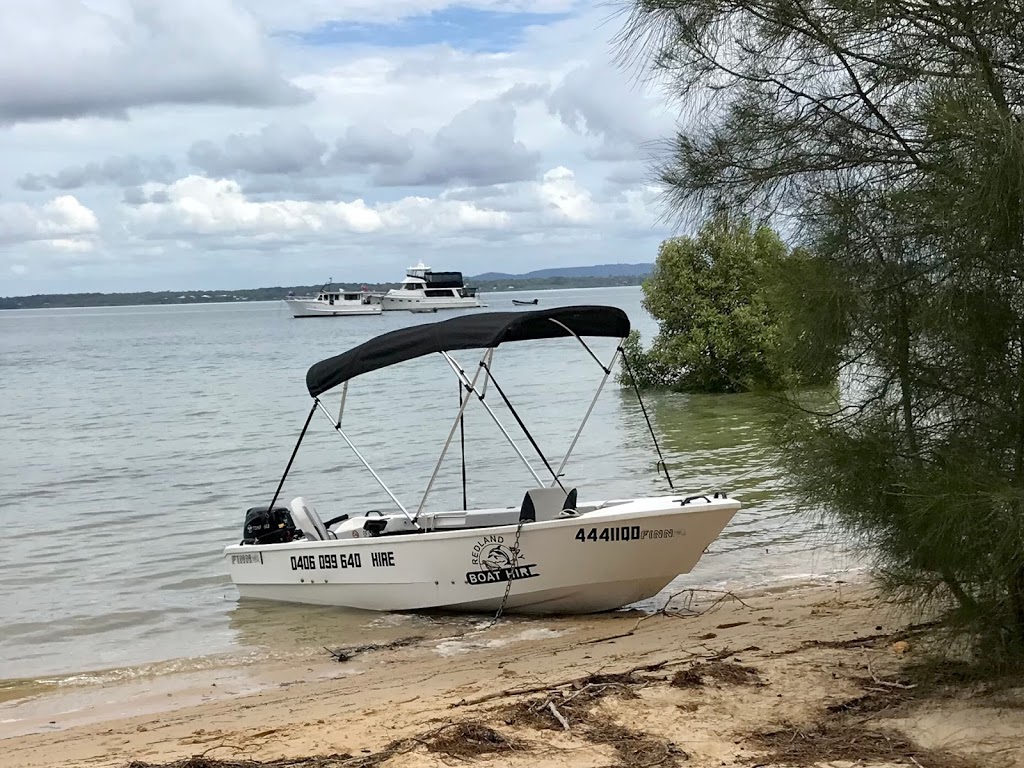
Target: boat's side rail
627, 511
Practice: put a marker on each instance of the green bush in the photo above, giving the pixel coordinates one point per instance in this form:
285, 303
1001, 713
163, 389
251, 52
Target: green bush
725, 323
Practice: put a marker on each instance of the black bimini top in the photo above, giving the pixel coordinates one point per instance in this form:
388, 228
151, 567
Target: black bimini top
476, 331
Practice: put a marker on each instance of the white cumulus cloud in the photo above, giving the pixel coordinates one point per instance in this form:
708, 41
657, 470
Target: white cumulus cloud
562, 194
197, 205
61, 221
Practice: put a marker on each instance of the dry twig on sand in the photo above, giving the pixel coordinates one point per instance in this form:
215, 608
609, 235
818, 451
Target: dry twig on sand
575, 682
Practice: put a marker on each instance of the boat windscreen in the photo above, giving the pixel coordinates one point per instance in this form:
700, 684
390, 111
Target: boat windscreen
475, 331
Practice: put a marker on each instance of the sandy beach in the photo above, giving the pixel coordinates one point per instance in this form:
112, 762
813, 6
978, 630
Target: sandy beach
804, 676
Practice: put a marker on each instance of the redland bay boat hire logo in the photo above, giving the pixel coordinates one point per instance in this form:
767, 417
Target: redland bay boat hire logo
496, 562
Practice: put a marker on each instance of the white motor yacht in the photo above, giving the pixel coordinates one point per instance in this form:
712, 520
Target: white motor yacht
424, 290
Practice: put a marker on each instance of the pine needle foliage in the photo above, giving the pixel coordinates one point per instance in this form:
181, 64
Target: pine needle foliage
888, 134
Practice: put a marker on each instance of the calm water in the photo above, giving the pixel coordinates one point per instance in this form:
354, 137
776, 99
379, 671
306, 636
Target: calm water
134, 439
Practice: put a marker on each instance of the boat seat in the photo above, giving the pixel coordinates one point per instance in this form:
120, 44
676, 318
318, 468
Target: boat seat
546, 503
308, 521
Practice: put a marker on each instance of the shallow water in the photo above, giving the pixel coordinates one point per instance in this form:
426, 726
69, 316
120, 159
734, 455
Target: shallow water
134, 438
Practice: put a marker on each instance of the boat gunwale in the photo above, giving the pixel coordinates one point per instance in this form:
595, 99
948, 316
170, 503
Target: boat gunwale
604, 514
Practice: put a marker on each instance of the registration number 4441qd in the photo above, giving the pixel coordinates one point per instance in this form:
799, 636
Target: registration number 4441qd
623, 533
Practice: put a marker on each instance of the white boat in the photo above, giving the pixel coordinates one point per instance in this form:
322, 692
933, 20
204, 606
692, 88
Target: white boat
549, 553
333, 303
424, 290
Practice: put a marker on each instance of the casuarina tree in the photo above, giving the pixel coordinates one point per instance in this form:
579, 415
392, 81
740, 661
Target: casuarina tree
887, 135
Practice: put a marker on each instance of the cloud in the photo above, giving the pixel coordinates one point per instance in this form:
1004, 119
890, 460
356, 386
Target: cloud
477, 146
596, 101
219, 214
199, 206
120, 171
277, 148
556, 200
362, 148
63, 223
62, 59
563, 196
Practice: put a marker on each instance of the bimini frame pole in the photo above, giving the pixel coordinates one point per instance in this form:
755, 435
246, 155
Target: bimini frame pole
451, 435
472, 388
344, 396
607, 372
340, 431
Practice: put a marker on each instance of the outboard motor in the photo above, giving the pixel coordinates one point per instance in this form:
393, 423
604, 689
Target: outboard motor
263, 526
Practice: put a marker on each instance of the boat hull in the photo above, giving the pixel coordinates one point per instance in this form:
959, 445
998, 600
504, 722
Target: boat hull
595, 562
397, 303
313, 308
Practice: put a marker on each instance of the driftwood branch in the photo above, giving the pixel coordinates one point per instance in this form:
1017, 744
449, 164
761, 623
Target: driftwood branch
558, 715
575, 682
887, 683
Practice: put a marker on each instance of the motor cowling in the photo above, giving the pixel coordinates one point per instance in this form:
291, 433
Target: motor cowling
268, 526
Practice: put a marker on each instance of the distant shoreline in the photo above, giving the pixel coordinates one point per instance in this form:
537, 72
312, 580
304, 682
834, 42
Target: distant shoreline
275, 293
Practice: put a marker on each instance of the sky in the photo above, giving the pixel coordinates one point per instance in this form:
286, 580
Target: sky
158, 145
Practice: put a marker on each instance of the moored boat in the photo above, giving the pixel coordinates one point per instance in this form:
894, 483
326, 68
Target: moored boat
330, 302
422, 289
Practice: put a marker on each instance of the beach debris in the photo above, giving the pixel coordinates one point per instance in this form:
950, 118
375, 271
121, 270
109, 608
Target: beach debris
344, 654
687, 678
625, 678
867, 641
470, 739
201, 761
727, 653
724, 672
460, 739
634, 748
579, 711
731, 624
836, 740
900, 647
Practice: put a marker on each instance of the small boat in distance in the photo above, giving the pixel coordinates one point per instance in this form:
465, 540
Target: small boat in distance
524, 303
549, 553
332, 303
424, 289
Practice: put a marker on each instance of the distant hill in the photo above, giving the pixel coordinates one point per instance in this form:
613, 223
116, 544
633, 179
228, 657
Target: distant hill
597, 270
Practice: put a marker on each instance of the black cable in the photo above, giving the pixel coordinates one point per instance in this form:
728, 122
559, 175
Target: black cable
287, 469
650, 428
523, 426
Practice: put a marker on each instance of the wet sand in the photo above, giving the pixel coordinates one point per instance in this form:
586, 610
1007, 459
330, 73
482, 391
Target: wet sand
799, 677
